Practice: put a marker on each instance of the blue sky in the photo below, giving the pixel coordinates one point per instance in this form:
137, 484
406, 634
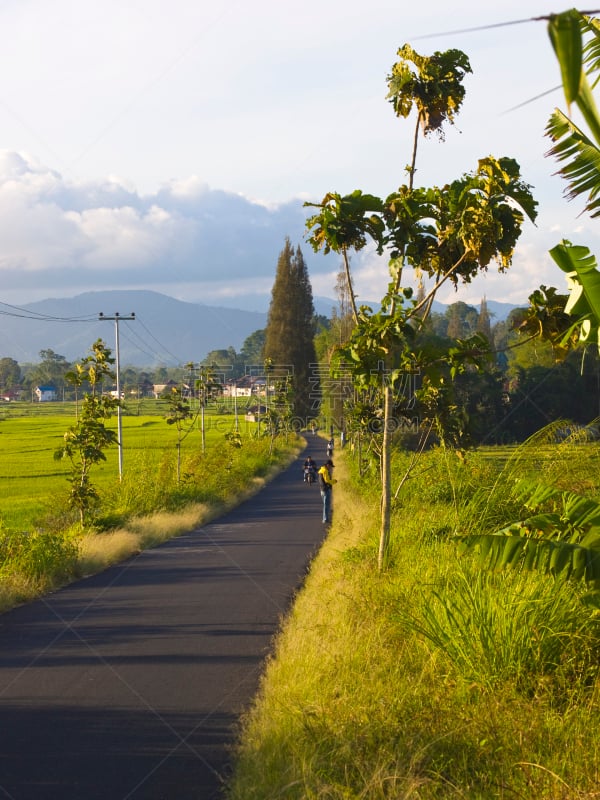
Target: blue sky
170, 145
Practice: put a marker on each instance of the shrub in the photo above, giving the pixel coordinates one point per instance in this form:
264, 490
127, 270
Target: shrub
38, 555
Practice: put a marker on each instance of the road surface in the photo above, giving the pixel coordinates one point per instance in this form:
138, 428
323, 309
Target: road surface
129, 684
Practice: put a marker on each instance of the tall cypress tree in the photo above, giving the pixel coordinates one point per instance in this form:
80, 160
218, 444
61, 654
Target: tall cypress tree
484, 320
289, 338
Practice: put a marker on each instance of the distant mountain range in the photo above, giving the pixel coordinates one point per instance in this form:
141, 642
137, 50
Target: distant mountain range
165, 331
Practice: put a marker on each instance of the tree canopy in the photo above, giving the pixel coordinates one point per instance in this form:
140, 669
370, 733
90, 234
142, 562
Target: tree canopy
289, 336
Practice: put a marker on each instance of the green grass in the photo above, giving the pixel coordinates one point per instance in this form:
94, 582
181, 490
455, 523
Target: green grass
42, 541
32, 481
433, 679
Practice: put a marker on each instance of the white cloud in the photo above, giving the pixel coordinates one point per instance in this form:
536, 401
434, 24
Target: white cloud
190, 241
74, 235
141, 108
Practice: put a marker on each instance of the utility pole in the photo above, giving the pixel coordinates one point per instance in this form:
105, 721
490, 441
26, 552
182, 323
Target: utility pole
117, 318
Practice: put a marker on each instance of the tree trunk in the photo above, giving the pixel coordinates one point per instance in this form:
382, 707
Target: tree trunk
386, 479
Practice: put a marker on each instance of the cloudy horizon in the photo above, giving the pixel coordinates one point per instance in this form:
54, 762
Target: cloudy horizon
100, 114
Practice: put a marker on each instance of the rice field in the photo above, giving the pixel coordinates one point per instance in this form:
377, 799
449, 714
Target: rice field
31, 480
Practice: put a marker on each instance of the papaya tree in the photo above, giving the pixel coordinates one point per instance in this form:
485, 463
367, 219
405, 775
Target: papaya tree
444, 234
180, 415
84, 443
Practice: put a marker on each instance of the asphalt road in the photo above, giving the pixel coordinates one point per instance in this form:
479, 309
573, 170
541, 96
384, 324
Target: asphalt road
129, 684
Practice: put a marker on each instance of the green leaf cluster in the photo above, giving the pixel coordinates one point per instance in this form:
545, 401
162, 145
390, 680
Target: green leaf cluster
346, 222
432, 84
85, 442
561, 537
575, 38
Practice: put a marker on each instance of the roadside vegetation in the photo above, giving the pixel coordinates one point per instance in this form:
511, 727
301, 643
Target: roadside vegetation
435, 678
43, 543
447, 640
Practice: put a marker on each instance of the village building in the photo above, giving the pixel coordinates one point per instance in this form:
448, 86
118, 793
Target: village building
45, 394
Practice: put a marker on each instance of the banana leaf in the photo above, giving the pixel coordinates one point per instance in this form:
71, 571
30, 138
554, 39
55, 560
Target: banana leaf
565, 34
560, 558
583, 279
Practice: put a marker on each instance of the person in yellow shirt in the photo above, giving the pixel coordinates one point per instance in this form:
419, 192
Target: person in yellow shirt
326, 482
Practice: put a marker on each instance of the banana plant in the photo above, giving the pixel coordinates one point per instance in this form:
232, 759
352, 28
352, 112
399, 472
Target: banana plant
561, 537
575, 38
583, 281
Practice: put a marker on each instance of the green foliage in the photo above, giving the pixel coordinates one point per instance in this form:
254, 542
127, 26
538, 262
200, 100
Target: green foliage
539, 393
10, 373
434, 87
253, 348
575, 38
503, 628
584, 284
546, 320
289, 339
51, 370
37, 556
576, 41
346, 222
181, 416
465, 225
85, 442
447, 234
562, 541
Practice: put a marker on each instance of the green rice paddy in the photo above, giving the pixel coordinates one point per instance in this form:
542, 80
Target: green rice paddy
32, 481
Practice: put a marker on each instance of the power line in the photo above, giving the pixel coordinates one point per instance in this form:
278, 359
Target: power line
141, 344
165, 349
25, 313
149, 353
532, 99
544, 18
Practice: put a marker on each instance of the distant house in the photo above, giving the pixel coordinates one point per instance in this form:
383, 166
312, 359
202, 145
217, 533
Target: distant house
242, 387
45, 394
254, 413
160, 389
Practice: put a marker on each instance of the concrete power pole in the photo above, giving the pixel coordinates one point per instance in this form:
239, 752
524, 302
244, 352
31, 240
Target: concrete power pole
118, 318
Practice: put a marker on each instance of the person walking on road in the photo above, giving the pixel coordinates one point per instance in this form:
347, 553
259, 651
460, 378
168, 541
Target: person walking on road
326, 482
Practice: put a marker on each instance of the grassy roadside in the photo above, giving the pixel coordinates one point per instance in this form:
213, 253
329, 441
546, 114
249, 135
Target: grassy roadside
432, 680
147, 508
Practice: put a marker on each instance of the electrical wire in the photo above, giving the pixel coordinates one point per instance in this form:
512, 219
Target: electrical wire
160, 344
532, 99
544, 18
25, 313
135, 340
136, 345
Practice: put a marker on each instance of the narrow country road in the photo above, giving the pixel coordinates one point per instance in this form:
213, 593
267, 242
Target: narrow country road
129, 684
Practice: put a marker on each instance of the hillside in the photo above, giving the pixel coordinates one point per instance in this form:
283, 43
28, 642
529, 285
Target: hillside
165, 331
